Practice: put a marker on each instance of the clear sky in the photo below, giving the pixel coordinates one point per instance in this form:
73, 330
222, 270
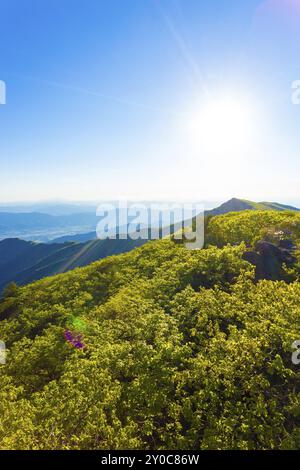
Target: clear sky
149, 99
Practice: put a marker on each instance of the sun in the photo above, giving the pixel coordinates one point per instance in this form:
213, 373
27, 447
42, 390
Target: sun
223, 125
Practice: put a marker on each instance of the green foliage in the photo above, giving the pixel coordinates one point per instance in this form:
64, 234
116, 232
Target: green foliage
252, 226
183, 351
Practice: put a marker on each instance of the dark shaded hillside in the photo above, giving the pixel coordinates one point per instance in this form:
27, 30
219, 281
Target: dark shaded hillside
24, 262
79, 238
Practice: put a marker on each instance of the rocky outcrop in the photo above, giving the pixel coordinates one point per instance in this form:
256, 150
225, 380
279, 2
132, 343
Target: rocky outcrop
269, 259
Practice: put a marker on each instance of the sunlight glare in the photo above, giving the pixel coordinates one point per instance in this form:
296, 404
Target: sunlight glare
222, 126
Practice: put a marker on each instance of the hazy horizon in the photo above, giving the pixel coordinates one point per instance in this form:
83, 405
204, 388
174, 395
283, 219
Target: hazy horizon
72, 206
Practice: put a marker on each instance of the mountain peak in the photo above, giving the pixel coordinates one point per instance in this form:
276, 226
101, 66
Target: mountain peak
233, 205
237, 205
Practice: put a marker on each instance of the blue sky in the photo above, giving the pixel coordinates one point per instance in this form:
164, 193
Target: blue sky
100, 95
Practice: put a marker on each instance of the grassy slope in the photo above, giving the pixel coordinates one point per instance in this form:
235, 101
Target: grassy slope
183, 350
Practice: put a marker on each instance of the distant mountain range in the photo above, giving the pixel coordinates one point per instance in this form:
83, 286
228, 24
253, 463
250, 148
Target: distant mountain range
54, 208
233, 205
79, 226
26, 261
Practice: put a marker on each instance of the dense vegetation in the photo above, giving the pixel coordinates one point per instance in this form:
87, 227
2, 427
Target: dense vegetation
182, 349
250, 227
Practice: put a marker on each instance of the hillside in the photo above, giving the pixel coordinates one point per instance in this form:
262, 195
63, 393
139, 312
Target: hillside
24, 262
237, 205
250, 226
79, 238
159, 348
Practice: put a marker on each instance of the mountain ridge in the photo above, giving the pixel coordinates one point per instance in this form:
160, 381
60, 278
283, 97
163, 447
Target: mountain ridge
232, 205
237, 205
27, 261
